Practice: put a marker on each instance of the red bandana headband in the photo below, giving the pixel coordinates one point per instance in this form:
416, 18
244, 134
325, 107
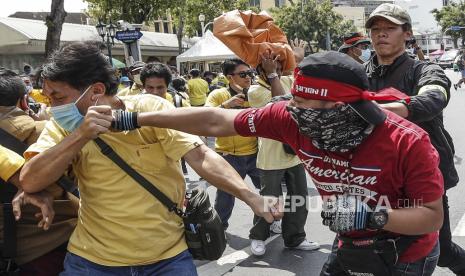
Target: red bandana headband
328, 90
354, 39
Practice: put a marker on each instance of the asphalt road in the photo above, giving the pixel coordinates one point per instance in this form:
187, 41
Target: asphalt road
238, 260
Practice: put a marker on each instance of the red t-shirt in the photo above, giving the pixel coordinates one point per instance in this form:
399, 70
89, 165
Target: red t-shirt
396, 163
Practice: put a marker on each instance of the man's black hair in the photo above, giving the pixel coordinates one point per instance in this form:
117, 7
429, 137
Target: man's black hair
12, 88
209, 73
195, 73
179, 84
230, 65
156, 69
81, 64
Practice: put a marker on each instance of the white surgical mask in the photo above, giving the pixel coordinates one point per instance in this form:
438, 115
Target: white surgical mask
365, 55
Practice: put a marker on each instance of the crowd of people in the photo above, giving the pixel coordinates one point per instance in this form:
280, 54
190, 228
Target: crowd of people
365, 123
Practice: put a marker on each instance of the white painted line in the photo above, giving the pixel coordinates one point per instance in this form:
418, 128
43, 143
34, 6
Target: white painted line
228, 262
460, 228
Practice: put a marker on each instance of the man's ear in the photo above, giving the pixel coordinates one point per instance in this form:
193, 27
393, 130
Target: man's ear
408, 35
22, 103
98, 90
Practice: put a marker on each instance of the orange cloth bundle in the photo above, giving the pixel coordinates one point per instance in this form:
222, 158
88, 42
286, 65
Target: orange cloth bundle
249, 35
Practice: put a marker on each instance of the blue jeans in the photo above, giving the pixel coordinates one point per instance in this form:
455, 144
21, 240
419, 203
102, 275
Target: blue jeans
179, 265
244, 165
422, 267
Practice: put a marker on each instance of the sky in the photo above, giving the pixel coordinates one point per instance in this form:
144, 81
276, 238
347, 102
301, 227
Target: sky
11, 6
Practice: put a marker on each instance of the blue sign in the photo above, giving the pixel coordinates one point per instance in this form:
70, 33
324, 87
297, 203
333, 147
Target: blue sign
128, 36
456, 28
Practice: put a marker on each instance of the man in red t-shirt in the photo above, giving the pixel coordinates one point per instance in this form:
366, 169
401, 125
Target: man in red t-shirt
376, 172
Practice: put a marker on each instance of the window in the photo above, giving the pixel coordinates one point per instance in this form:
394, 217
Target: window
279, 3
157, 26
254, 3
165, 27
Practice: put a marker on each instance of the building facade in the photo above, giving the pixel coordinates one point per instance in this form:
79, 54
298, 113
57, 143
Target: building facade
368, 5
354, 14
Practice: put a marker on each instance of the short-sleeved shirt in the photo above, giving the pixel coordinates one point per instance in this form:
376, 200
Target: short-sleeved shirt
271, 154
130, 91
10, 163
234, 145
39, 97
120, 223
396, 163
198, 90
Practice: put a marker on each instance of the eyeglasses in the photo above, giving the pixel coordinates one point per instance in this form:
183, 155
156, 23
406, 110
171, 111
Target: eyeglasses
244, 74
363, 46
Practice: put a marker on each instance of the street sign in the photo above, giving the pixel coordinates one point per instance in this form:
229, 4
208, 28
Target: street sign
128, 36
456, 28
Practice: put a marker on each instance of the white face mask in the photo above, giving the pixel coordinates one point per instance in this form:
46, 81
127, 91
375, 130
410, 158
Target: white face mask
365, 55
137, 79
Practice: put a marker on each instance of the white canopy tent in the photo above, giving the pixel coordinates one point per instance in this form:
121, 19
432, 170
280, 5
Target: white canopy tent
207, 49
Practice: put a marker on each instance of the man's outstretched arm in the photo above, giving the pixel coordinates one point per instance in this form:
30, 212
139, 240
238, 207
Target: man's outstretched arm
202, 121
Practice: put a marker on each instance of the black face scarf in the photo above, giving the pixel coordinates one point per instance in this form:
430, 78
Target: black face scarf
338, 129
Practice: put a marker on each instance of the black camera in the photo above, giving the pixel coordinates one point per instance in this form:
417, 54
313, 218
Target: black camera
34, 107
245, 91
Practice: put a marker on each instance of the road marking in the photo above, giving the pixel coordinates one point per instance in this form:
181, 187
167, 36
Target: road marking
460, 228
228, 262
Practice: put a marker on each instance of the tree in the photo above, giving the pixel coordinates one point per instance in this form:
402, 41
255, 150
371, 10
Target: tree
452, 15
186, 14
54, 22
311, 20
134, 11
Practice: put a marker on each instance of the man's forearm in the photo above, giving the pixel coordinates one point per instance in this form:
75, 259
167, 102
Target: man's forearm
414, 221
276, 88
46, 167
213, 168
427, 105
203, 121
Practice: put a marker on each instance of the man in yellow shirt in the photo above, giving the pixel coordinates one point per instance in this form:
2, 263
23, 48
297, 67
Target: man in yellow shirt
240, 152
198, 88
156, 78
134, 75
36, 251
278, 163
121, 228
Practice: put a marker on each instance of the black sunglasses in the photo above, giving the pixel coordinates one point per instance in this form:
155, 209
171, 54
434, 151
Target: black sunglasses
244, 74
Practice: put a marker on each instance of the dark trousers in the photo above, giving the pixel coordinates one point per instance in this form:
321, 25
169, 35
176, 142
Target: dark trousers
293, 221
452, 256
422, 267
244, 165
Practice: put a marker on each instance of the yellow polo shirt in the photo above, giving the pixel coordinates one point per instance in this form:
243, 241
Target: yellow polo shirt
198, 90
130, 91
10, 163
271, 154
39, 97
120, 223
235, 145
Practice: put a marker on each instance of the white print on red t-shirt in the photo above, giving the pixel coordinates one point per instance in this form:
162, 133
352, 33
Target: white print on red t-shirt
250, 121
331, 180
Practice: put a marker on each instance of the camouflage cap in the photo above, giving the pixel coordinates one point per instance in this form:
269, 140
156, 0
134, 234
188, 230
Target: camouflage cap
394, 13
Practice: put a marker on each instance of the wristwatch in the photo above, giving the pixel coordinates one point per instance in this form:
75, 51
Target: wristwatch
272, 76
378, 219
